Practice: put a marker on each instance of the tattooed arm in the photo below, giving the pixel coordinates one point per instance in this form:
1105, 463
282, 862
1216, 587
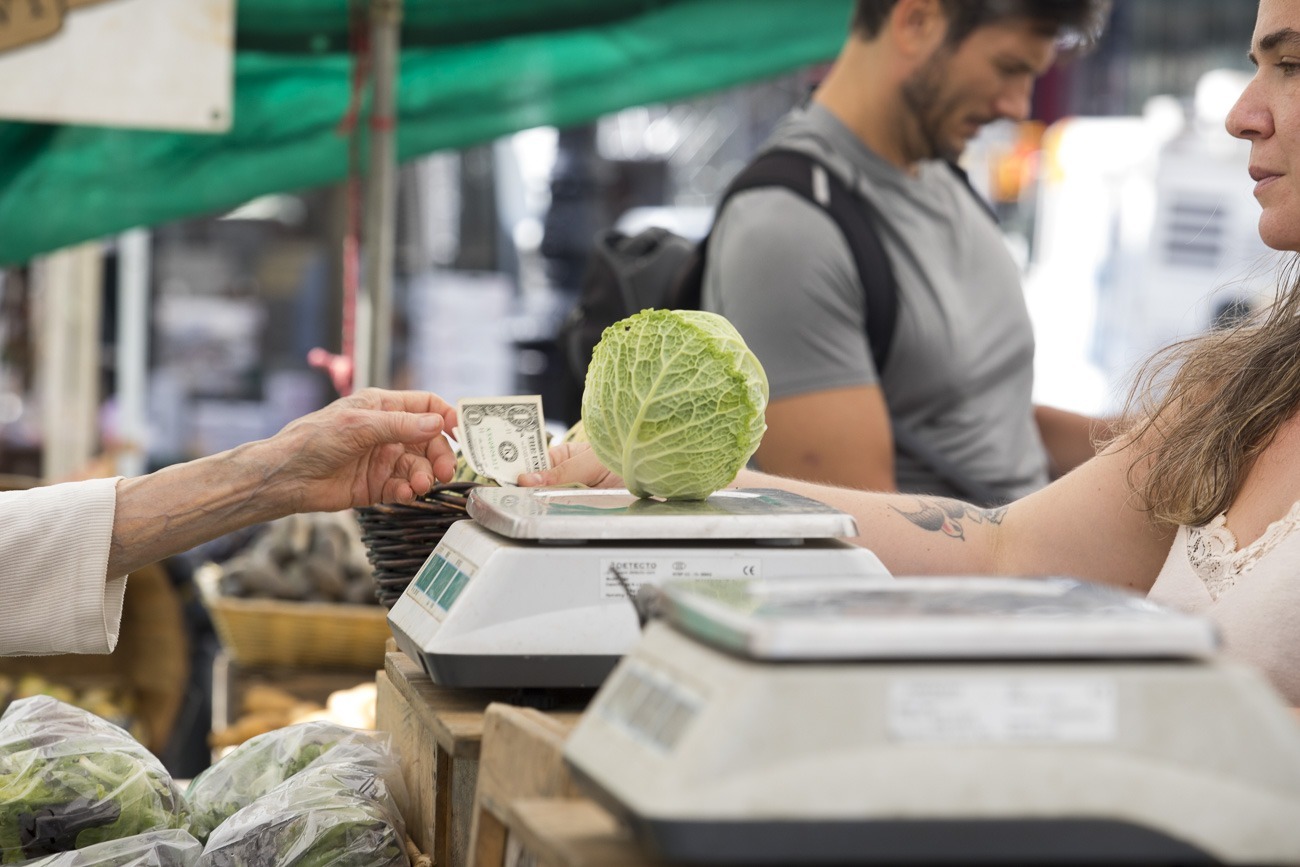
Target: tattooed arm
949, 517
1084, 525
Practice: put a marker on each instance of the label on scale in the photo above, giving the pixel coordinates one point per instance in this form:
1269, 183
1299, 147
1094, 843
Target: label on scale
650, 705
1012, 709
441, 580
653, 569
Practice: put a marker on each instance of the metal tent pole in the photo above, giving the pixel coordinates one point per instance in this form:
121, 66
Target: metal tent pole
379, 221
69, 285
132, 349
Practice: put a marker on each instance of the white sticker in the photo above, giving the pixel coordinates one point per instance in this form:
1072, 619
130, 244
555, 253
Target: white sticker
955, 709
650, 705
636, 571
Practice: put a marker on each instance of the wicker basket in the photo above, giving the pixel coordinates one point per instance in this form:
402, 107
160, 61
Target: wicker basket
399, 538
298, 634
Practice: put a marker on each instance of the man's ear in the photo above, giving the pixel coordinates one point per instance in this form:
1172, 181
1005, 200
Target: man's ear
917, 27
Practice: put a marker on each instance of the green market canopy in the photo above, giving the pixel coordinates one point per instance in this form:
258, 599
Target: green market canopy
470, 71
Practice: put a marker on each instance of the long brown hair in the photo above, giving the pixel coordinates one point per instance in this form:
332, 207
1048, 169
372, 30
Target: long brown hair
1201, 411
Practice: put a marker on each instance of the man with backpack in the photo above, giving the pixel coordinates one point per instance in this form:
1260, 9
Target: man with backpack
929, 389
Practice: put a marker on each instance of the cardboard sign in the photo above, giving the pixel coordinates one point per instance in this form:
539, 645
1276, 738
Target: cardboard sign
23, 22
151, 64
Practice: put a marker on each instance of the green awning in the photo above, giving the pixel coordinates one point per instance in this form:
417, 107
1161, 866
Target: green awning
540, 63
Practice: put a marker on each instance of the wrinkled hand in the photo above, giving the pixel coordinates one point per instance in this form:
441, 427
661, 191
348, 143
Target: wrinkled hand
573, 463
375, 446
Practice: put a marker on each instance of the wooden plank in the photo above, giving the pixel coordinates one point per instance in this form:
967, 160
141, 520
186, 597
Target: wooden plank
575, 832
521, 757
418, 753
464, 782
444, 728
453, 716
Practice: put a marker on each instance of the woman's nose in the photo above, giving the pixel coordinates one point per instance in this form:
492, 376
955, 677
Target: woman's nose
1249, 117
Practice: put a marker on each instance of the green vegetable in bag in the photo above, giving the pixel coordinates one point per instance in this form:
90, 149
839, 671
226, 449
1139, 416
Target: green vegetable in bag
261, 763
69, 779
171, 848
334, 814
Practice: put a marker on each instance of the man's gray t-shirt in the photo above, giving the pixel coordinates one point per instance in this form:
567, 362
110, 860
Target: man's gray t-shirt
959, 374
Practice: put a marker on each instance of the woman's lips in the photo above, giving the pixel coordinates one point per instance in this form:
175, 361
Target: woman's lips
1263, 178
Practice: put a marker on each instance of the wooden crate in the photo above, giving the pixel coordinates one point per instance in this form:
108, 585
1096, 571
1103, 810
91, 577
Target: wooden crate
573, 832
438, 732
528, 810
231, 682
520, 757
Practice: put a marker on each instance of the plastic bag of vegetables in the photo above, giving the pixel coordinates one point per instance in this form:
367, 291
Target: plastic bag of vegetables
69, 779
261, 763
374, 754
336, 813
172, 848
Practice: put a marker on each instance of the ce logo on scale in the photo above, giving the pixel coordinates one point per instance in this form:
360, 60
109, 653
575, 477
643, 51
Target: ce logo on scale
749, 571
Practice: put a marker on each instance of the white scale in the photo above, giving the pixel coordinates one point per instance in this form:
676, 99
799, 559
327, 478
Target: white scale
939, 720
531, 592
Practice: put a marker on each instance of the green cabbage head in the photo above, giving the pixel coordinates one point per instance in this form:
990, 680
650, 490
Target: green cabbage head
674, 403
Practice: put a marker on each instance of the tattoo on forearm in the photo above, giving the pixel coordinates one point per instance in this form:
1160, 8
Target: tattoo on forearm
949, 516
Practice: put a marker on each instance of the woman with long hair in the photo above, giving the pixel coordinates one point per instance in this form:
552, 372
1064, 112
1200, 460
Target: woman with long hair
1196, 503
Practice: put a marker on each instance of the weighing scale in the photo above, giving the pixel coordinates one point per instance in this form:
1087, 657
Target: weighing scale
533, 592
938, 720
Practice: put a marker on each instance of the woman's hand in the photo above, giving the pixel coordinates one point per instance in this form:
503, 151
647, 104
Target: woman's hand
573, 463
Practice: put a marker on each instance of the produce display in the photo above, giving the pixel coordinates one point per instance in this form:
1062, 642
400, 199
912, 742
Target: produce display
172, 848
266, 708
316, 557
69, 779
77, 791
674, 402
115, 705
261, 763
334, 813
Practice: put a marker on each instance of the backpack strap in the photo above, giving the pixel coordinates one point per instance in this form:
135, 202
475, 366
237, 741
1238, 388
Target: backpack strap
856, 217
964, 177
806, 176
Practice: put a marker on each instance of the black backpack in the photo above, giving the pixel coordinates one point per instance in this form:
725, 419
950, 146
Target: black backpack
658, 268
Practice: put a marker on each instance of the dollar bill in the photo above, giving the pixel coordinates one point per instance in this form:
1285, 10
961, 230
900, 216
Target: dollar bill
502, 437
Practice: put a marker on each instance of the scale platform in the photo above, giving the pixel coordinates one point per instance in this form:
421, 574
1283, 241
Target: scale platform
925, 720
533, 591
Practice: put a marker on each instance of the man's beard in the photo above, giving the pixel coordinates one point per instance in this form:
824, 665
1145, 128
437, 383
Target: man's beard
923, 95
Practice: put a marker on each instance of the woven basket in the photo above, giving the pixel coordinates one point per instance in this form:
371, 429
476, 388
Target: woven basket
298, 634
399, 538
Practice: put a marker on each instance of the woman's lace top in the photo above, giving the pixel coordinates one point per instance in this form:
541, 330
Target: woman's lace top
1213, 554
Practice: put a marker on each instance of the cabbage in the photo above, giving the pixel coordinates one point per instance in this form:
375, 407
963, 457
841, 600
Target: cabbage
674, 403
